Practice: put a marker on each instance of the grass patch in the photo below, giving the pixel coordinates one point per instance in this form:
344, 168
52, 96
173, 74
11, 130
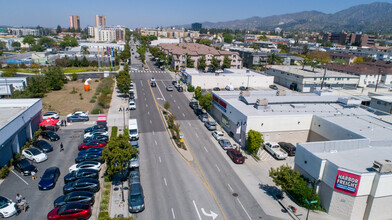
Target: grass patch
74, 70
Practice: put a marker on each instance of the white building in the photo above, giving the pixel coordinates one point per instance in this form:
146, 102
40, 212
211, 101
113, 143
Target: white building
109, 34
10, 84
24, 31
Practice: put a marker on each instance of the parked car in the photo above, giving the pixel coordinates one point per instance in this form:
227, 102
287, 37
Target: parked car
97, 150
80, 174
275, 150
76, 196
236, 156
95, 127
50, 135
153, 84
49, 178
216, 89
274, 87
225, 144
135, 144
132, 105
136, 198
174, 83
54, 115
89, 157
210, 125
134, 162
134, 176
24, 167
78, 113
243, 88
43, 145
101, 132
198, 111
288, 147
70, 211
85, 146
83, 184
7, 207
180, 89
217, 135
169, 88
193, 105
77, 118
203, 117
34, 154
94, 165
97, 137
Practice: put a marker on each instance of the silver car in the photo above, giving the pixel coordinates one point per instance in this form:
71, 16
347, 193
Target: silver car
210, 125
134, 162
169, 88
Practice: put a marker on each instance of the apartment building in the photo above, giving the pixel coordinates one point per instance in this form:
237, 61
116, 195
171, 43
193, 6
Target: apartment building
24, 31
109, 34
100, 20
74, 22
357, 39
169, 33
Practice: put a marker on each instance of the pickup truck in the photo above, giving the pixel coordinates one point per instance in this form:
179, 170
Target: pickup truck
275, 150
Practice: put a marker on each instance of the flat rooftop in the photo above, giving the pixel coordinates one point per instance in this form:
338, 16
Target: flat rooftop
307, 71
12, 108
226, 72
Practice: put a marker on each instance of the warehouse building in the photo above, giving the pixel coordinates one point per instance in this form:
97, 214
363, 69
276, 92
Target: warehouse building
19, 119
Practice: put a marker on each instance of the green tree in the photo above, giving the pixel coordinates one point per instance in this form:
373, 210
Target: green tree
201, 63
198, 92
314, 64
59, 29
16, 44
205, 42
205, 101
254, 141
215, 64
226, 62
84, 62
36, 88
326, 44
358, 60
84, 50
305, 50
189, 62
9, 71
283, 48
46, 42
228, 38
29, 40
166, 105
3, 45
303, 62
285, 177
55, 77
275, 59
263, 38
37, 48
319, 56
76, 62
123, 80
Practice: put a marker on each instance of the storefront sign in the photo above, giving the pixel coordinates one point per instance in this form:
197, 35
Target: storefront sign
221, 104
347, 182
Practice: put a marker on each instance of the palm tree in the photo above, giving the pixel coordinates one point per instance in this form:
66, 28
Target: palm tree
84, 50
275, 59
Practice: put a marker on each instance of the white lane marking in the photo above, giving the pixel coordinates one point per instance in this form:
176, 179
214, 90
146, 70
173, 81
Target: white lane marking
20, 177
160, 161
150, 122
171, 96
205, 149
217, 167
148, 113
174, 217
163, 84
141, 82
197, 135
231, 189
178, 106
145, 98
174, 100
153, 133
164, 179
156, 143
189, 123
144, 93
244, 209
183, 115
197, 210
161, 94
146, 106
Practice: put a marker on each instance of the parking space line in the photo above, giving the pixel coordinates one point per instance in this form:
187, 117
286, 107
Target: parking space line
174, 217
244, 208
19, 177
231, 189
217, 167
205, 149
156, 143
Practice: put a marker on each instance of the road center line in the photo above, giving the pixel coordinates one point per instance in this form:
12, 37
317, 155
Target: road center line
174, 217
20, 177
244, 209
171, 96
174, 100
217, 167
178, 106
164, 179
231, 189
160, 161
189, 123
146, 106
198, 214
183, 115
141, 82
150, 122
205, 149
197, 135
156, 143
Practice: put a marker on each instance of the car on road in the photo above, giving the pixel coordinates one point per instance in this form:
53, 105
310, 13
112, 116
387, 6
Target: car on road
70, 211
174, 83
76, 196
210, 125
77, 118
134, 162
50, 135
34, 154
152, 79
80, 174
43, 145
95, 127
198, 111
98, 131
274, 87
134, 176
180, 89
243, 88
49, 178
236, 156
217, 135
83, 184
90, 144
203, 117
216, 89
169, 88
89, 157
136, 198
7, 207
153, 84
225, 144
132, 105
97, 137
24, 167
288, 147
54, 115
193, 105
94, 165
81, 113
97, 150
275, 150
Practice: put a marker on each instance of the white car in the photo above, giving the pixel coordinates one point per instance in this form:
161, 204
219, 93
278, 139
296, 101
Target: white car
54, 115
34, 154
275, 150
152, 79
96, 132
132, 105
86, 165
7, 207
134, 162
78, 113
217, 135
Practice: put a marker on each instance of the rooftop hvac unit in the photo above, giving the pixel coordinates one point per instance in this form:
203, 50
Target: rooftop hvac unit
383, 166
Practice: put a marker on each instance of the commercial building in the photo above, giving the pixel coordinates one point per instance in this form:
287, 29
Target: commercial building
24, 31
74, 22
234, 78
342, 148
10, 84
307, 80
19, 119
100, 20
168, 33
356, 39
196, 26
109, 33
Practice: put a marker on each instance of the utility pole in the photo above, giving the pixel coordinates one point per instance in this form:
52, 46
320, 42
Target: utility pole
378, 77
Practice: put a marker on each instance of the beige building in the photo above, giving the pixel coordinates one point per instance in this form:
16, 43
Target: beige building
74, 22
169, 33
109, 34
196, 51
100, 20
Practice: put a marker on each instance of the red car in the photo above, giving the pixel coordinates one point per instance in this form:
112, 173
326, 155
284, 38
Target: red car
236, 156
85, 146
70, 211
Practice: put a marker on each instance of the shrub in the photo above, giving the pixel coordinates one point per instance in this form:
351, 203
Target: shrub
4, 172
37, 134
73, 91
74, 76
104, 216
96, 111
96, 80
104, 100
191, 88
114, 132
254, 141
92, 100
166, 105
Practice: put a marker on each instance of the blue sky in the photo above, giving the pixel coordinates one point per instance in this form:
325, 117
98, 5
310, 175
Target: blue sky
153, 13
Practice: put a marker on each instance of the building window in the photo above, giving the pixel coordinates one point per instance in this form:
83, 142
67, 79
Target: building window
225, 120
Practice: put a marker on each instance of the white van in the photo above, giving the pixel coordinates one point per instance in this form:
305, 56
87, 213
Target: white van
133, 130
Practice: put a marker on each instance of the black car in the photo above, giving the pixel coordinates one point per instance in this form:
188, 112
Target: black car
96, 137
193, 105
174, 83
77, 117
93, 150
84, 184
243, 88
50, 135
153, 84
136, 198
95, 127
198, 111
288, 147
82, 173
216, 89
24, 167
49, 178
43, 146
76, 196
180, 89
89, 157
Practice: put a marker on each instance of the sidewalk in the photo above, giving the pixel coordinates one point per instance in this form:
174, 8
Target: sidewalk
120, 119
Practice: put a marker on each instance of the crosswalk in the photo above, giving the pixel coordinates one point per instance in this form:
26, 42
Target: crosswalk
143, 71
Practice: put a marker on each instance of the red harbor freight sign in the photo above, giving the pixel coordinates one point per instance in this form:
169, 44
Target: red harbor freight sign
347, 182
221, 104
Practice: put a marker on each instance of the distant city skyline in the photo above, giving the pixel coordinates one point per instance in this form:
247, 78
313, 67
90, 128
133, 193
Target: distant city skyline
154, 13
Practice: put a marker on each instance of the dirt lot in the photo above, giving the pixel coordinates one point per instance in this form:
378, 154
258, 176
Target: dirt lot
66, 101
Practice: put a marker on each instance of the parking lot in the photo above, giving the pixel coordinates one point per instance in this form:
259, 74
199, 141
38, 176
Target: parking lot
41, 202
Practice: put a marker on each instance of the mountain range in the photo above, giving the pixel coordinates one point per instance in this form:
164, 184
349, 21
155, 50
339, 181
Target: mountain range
375, 17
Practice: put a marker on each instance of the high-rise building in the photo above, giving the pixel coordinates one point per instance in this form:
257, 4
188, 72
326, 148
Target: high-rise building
74, 22
196, 26
100, 20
